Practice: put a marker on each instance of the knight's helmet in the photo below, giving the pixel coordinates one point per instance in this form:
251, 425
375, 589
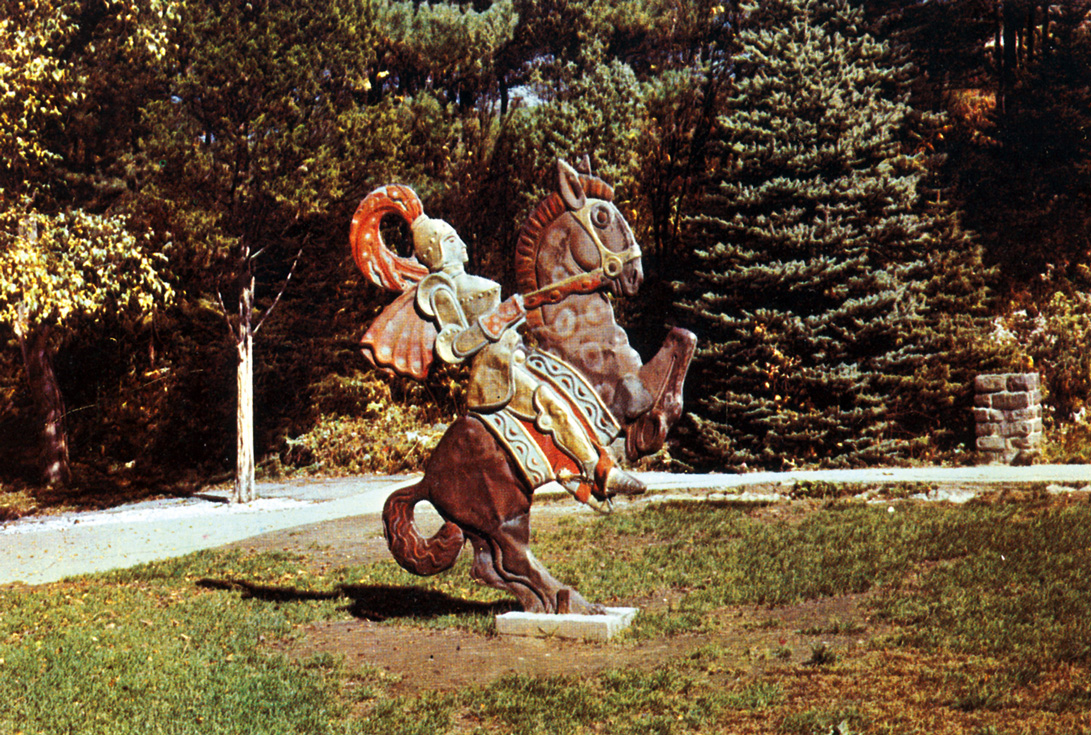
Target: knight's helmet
432, 243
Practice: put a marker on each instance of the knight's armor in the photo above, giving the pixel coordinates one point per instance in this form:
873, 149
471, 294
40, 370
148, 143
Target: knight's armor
475, 325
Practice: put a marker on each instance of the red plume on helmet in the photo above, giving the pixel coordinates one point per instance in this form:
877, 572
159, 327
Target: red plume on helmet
381, 266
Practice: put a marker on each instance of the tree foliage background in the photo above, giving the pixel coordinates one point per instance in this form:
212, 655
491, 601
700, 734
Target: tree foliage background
202, 134
817, 267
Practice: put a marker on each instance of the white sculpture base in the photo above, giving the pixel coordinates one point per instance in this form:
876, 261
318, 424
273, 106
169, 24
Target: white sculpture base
577, 627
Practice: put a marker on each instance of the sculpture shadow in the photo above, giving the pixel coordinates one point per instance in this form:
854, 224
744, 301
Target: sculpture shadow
376, 602
383, 602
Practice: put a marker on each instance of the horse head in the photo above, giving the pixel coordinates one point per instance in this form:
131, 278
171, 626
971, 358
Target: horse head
578, 230
599, 235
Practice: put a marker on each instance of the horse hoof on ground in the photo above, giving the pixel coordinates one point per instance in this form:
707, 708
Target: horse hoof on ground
569, 601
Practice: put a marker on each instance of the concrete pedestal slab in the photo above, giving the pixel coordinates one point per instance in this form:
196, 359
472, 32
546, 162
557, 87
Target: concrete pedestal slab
579, 627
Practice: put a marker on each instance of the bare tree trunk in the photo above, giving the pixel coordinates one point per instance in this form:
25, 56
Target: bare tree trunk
49, 403
245, 485
243, 333
1010, 58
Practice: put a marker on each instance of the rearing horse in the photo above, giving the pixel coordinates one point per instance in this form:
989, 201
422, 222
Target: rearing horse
564, 237
471, 478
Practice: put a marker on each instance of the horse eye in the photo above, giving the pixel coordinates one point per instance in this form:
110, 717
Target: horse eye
601, 216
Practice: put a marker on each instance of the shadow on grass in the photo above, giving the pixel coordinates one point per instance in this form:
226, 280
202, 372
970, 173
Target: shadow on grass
377, 602
383, 602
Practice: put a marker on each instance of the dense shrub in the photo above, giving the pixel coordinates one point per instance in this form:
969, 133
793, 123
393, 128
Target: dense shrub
360, 426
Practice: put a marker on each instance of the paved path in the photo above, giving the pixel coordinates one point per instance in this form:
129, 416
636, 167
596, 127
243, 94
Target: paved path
1077, 474
38, 550
46, 549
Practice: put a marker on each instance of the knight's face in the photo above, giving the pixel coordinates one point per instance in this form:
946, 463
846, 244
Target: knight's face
437, 245
454, 250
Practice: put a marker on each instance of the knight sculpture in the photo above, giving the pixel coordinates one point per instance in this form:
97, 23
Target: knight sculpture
533, 417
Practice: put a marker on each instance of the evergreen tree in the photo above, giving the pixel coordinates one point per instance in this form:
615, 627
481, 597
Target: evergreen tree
816, 291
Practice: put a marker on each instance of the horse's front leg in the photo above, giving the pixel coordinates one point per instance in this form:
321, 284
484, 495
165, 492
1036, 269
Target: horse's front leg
663, 376
631, 398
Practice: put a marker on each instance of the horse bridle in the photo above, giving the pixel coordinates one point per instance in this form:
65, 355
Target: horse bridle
612, 263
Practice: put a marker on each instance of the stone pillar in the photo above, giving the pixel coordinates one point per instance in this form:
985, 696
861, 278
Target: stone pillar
1008, 412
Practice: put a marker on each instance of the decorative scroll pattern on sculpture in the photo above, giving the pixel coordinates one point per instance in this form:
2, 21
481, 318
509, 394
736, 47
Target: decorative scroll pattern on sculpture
525, 450
577, 388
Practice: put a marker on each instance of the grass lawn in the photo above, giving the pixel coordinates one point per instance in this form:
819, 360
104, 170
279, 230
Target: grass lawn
972, 619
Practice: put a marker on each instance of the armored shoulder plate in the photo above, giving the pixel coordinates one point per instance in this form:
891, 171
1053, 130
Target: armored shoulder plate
437, 297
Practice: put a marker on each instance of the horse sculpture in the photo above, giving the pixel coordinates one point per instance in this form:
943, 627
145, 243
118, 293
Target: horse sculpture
576, 245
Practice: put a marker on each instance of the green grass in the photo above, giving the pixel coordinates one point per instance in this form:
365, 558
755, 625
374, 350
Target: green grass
987, 606
144, 650
1021, 587
667, 700
1009, 578
722, 556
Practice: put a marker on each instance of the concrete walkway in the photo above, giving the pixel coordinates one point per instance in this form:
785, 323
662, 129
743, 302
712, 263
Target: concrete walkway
1078, 474
38, 550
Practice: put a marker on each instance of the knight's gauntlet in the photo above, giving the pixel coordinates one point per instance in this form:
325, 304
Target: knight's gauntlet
508, 314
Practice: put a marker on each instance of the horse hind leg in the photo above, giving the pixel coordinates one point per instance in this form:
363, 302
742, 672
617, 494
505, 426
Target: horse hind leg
504, 561
562, 598
484, 566
474, 485
487, 570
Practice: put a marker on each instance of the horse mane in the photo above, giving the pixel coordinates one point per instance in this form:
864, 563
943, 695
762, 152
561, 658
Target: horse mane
530, 236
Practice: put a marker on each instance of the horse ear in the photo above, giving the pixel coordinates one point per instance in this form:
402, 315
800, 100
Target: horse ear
583, 165
569, 185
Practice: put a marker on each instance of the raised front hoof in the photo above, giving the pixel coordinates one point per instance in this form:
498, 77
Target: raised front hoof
684, 338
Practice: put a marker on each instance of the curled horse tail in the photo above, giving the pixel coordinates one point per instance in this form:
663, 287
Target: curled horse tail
416, 554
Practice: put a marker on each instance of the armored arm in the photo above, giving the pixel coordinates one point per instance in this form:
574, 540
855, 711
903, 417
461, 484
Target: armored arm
459, 337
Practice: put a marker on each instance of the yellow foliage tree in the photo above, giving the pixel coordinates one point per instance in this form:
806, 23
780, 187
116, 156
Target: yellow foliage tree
59, 270
62, 266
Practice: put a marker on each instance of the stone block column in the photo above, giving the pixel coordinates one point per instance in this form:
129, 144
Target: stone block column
1008, 413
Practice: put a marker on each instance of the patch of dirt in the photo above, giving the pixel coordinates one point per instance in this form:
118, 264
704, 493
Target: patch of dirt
755, 638
446, 660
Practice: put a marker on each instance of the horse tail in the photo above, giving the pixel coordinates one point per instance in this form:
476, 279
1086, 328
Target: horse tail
416, 554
